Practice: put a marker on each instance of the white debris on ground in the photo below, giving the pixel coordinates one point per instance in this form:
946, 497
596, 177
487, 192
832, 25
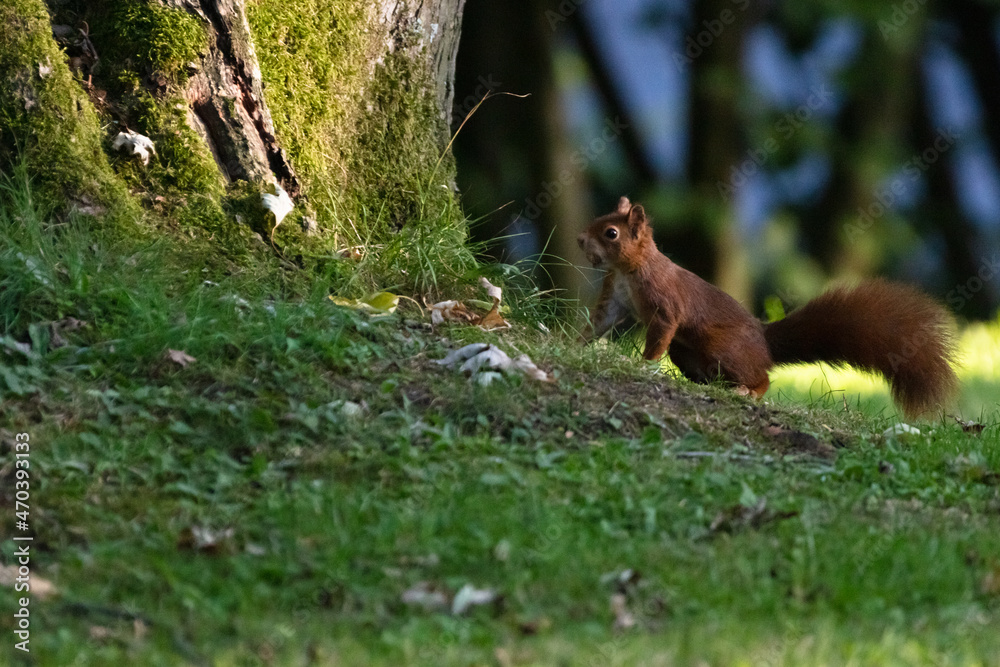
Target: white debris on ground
135, 144
484, 363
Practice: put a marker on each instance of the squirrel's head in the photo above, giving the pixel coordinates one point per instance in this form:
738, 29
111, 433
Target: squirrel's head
619, 239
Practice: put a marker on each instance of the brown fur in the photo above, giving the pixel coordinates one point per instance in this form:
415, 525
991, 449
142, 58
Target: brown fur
879, 326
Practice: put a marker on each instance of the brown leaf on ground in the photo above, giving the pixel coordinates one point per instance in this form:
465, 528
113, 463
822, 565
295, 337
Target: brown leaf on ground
63, 326
452, 311
492, 320
456, 311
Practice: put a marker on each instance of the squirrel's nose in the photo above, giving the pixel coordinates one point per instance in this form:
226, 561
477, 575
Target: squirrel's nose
580, 240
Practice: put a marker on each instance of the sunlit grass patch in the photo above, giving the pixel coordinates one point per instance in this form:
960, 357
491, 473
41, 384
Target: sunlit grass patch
820, 384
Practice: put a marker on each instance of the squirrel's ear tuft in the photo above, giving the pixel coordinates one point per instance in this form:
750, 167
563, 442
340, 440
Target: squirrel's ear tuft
624, 205
636, 219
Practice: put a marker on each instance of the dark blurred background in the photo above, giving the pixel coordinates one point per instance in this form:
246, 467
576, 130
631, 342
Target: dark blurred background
776, 145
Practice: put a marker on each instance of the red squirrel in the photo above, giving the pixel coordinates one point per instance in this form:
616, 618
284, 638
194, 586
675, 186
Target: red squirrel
878, 326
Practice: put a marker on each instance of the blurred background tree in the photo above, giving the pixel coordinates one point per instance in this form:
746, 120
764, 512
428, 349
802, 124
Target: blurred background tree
777, 145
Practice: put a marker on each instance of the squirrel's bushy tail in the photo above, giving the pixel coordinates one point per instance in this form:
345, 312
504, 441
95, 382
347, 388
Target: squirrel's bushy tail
881, 327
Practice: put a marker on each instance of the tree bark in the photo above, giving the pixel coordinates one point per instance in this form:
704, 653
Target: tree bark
226, 98
342, 103
443, 20
242, 135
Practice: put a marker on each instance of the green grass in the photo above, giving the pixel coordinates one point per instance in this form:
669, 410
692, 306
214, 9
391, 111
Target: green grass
868, 549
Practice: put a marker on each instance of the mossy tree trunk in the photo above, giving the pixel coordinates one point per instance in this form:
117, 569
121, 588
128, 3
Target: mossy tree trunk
339, 101
225, 95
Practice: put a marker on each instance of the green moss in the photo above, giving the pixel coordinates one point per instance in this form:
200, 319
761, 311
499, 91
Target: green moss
46, 119
146, 36
183, 163
313, 56
397, 157
373, 175
182, 183
140, 41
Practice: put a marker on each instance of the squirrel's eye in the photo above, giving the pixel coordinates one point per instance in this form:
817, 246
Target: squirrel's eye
611, 233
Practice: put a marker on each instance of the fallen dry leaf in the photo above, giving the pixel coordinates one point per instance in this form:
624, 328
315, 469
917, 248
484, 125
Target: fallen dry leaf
480, 359
492, 320
456, 311
492, 290
277, 201
452, 311
528, 367
491, 358
183, 359
381, 303
461, 354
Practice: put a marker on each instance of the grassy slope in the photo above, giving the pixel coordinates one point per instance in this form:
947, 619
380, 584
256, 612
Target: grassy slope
871, 550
